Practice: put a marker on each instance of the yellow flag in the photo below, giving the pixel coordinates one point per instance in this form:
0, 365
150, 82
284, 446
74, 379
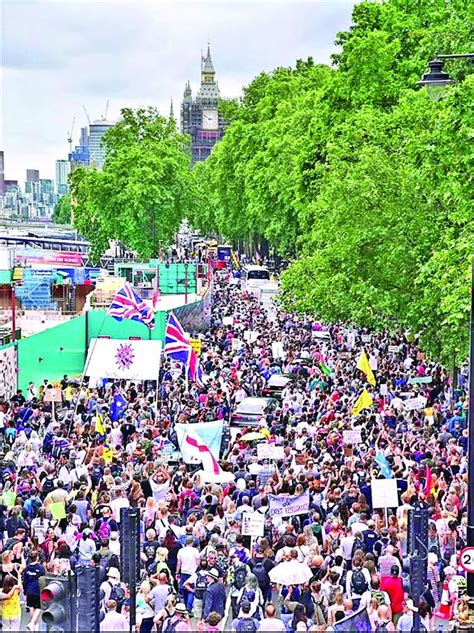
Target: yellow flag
99, 425
108, 455
364, 366
364, 401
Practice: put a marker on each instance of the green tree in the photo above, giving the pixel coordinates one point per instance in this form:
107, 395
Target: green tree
62, 211
143, 190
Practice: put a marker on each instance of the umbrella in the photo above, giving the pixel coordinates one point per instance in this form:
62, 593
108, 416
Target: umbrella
290, 573
253, 435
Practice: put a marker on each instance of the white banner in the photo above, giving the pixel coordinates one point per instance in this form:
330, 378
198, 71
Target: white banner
270, 451
253, 523
209, 432
282, 506
413, 404
132, 360
384, 493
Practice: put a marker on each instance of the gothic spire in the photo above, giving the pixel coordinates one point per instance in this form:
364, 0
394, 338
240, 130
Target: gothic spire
207, 65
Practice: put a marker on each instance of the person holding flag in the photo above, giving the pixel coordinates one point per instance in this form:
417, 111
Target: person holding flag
364, 366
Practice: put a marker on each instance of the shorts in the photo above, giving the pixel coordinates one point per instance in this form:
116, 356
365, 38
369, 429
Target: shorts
33, 602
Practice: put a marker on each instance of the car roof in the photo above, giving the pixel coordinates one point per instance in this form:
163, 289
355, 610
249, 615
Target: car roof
254, 402
279, 379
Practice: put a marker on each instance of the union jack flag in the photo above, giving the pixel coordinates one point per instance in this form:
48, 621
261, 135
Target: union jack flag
178, 347
128, 305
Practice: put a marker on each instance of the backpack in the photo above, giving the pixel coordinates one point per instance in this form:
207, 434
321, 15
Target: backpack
48, 486
240, 576
359, 582
170, 541
170, 624
104, 529
379, 595
358, 544
261, 574
200, 586
117, 594
246, 624
241, 554
381, 628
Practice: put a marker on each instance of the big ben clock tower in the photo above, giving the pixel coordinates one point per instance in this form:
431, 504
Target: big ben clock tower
200, 116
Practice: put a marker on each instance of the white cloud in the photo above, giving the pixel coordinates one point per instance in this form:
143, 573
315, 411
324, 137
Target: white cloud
57, 56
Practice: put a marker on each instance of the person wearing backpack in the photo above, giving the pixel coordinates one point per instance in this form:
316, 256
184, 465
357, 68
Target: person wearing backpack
236, 577
245, 623
384, 623
106, 525
260, 568
357, 582
375, 591
114, 589
197, 584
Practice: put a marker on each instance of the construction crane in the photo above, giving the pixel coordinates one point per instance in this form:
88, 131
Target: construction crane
87, 114
106, 110
70, 133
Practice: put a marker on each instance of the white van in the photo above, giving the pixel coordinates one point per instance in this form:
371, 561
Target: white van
254, 277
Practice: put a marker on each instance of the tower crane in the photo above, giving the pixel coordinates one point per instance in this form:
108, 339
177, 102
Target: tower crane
106, 110
70, 133
87, 114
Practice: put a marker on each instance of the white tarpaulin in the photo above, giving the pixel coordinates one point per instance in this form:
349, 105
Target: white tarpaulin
132, 360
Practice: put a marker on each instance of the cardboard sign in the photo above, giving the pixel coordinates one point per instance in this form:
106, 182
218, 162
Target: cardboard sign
196, 344
352, 437
345, 355
58, 510
251, 336
283, 506
383, 390
384, 493
414, 404
228, 320
366, 338
253, 523
394, 349
277, 349
374, 363
237, 344
53, 395
270, 451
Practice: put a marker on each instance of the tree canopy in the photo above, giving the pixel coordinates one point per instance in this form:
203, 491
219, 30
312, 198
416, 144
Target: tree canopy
62, 210
358, 176
143, 190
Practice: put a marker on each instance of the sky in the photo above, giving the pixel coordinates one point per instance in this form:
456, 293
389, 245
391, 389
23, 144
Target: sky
57, 57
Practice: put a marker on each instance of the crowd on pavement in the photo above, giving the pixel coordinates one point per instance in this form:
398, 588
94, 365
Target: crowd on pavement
198, 572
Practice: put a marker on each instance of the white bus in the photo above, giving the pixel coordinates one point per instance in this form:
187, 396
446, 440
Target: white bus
254, 277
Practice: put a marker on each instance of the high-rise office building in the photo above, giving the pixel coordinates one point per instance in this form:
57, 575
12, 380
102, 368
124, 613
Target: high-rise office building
97, 151
63, 169
84, 138
2, 173
32, 175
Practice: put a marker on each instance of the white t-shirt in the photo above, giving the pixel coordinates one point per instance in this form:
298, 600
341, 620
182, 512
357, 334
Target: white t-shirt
189, 559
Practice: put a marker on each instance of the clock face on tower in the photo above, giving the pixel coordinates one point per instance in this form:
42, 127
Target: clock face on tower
210, 120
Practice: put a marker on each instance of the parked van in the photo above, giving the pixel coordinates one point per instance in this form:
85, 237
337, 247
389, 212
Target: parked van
254, 277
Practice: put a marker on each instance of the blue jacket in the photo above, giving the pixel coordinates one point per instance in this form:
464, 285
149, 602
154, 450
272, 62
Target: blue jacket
214, 599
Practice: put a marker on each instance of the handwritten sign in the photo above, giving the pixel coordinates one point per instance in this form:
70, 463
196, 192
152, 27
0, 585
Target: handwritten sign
270, 451
366, 338
352, 437
228, 320
394, 349
414, 404
253, 523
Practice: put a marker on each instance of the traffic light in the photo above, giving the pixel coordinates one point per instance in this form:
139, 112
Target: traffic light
57, 604
89, 597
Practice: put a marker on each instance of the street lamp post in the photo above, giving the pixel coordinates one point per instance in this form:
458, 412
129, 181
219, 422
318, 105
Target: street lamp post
435, 81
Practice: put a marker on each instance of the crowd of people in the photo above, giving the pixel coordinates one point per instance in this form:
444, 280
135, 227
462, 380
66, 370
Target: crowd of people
198, 572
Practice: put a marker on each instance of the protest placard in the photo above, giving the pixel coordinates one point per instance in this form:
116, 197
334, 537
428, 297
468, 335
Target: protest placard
394, 349
253, 523
414, 404
196, 344
384, 493
53, 395
283, 506
58, 510
352, 437
270, 451
227, 320
366, 338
